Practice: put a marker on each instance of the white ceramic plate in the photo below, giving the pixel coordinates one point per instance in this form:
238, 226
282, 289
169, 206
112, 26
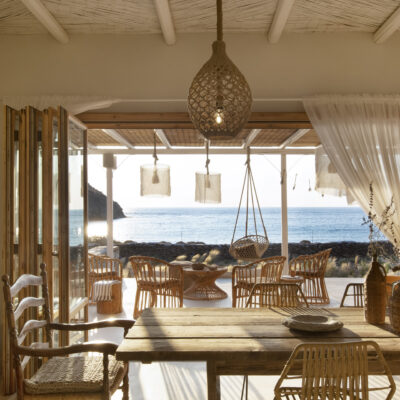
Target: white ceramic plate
313, 323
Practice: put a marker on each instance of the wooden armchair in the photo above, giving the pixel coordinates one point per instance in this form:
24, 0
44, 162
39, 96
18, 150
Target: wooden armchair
60, 377
159, 284
335, 371
244, 277
312, 269
104, 270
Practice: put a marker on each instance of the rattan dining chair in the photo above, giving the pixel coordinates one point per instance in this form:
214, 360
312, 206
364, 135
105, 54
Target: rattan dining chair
103, 268
60, 377
335, 371
244, 277
273, 295
159, 284
356, 291
276, 295
312, 269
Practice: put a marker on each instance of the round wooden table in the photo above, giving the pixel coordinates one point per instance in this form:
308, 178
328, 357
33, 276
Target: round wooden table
200, 284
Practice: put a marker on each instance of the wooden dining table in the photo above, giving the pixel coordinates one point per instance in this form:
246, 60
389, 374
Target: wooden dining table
234, 341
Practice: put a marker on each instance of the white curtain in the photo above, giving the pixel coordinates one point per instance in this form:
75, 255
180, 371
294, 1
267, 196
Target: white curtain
361, 136
327, 180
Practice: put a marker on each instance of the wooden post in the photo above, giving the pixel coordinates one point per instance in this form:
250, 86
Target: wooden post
110, 164
284, 213
213, 382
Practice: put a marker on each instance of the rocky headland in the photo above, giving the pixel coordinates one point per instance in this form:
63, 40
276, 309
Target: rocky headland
97, 207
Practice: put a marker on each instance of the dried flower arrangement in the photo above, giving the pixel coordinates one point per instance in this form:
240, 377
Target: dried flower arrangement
378, 224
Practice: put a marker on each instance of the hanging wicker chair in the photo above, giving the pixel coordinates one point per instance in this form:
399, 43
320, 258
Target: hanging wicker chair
250, 246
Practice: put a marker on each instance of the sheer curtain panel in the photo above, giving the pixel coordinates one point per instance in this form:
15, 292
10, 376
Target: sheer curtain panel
361, 136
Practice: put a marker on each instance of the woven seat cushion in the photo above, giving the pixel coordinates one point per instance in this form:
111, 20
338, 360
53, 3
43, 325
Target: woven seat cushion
72, 375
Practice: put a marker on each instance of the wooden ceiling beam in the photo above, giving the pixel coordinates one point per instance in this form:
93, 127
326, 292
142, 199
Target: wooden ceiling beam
257, 120
119, 138
250, 138
293, 138
281, 16
166, 21
388, 28
43, 15
164, 140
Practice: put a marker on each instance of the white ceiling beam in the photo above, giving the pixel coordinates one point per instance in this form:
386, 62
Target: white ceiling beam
44, 16
164, 140
281, 16
390, 26
294, 138
250, 138
118, 137
166, 22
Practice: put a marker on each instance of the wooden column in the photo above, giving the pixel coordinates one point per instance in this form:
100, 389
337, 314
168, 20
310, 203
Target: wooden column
284, 213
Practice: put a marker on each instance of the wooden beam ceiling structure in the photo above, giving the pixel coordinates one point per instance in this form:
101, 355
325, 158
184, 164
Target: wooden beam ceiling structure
293, 138
281, 16
388, 28
181, 120
43, 15
166, 21
119, 138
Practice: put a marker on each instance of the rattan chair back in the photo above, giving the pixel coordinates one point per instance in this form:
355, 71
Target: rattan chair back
335, 371
159, 284
312, 268
244, 277
355, 291
276, 295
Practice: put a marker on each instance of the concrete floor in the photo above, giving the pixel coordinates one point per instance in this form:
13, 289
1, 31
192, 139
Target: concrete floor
187, 381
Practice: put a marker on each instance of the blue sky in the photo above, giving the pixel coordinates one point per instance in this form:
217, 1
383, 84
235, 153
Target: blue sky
266, 171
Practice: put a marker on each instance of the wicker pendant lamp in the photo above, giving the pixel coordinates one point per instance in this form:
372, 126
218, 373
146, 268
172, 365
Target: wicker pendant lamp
208, 186
155, 178
219, 101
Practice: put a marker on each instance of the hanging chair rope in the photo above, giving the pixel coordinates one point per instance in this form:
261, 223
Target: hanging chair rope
249, 246
240, 203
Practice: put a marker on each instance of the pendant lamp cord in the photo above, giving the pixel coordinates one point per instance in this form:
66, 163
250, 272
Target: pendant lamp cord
155, 150
219, 20
207, 159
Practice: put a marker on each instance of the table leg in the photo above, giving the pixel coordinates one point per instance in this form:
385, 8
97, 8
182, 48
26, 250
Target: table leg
213, 383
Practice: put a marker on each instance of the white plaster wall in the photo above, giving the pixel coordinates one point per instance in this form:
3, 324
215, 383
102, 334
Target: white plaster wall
143, 67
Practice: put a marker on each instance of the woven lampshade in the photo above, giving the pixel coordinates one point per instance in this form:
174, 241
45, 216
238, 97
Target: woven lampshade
219, 101
208, 188
155, 180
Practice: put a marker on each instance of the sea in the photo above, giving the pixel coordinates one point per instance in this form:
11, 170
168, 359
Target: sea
215, 225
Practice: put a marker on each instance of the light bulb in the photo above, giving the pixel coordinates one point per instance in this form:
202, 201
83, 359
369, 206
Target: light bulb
218, 116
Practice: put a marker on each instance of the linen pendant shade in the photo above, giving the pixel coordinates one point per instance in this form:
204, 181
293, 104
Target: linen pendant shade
155, 178
208, 186
219, 101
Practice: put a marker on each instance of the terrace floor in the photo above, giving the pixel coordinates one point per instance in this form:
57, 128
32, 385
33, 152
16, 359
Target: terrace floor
187, 381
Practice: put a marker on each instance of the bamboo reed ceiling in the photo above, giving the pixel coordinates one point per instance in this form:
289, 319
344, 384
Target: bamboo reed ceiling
139, 16
192, 138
